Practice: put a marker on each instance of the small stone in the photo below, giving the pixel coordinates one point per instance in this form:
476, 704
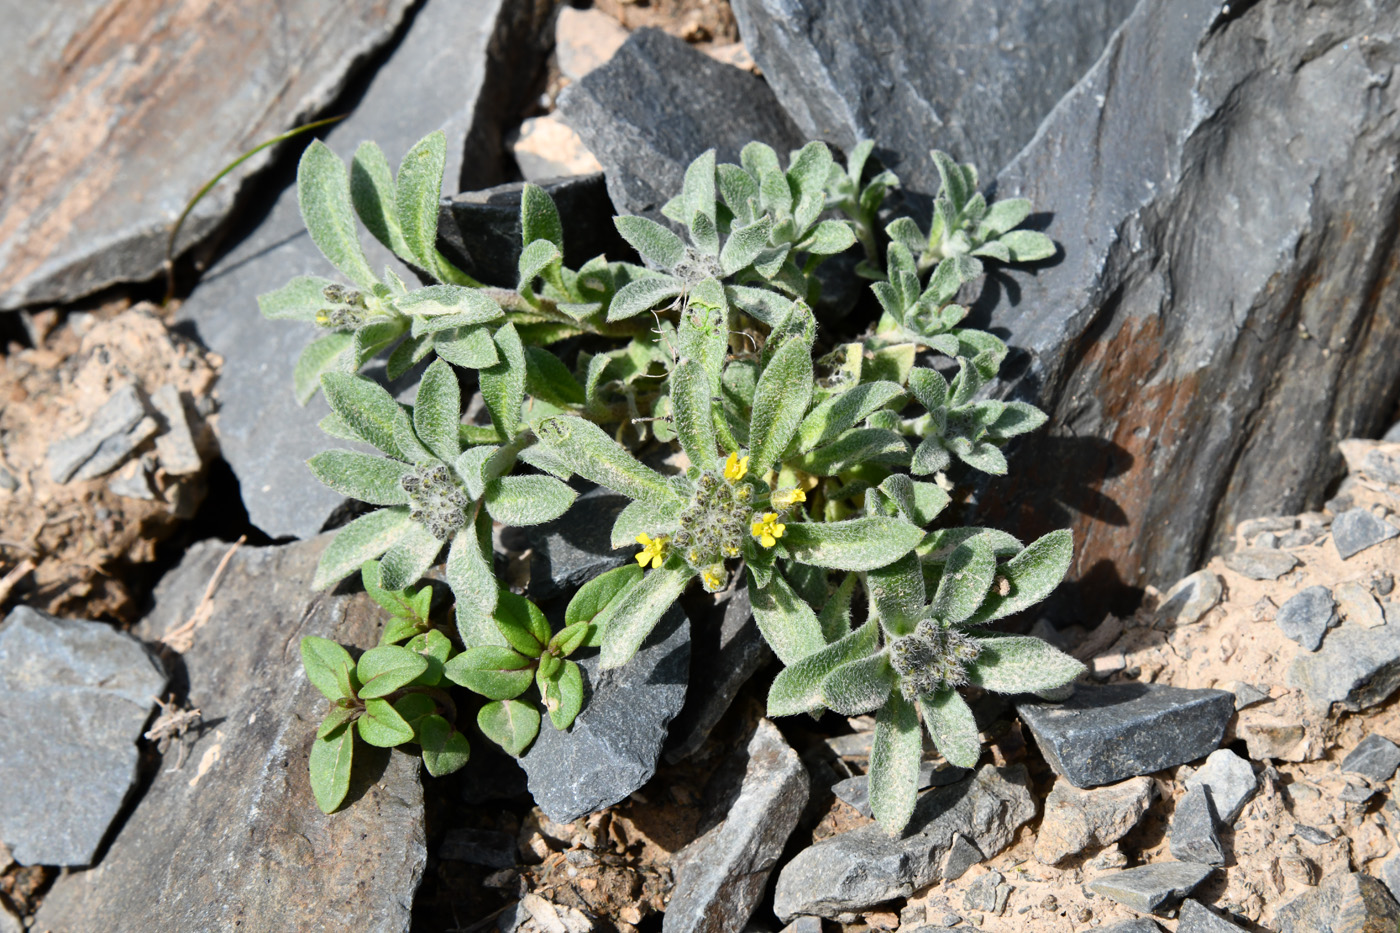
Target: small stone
1311, 834
1193, 834
550, 917
1355, 530
1301, 537
982, 893
1152, 887
1140, 925
487, 847
133, 481
1251, 528
962, 855
8, 481
1307, 616
1260, 563
175, 445
1267, 540
115, 430
585, 40
804, 925
1343, 903
546, 148
1357, 667
1191, 598
1299, 868
1375, 757
1076, 820
1104, 734
569, 551
1356, 604
1230, 780
1193, 918
856, 790
1105, 666
1273, 739
1109, 859
1382, 582
1246, 695
1355, 792
1390, 875
1382, 466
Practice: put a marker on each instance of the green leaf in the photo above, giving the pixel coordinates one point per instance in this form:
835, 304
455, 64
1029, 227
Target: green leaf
362, 476
835, 617
856, 544
739, 189
539, 217
323, 194
827, 238
787, 623
1021, 664
301, 299
1031, 576
968, 576
929, 457
955, 187
473, 584
503, 385
337, 718
744, 245
797, 688
1016, 418
375, 199
329, 763
930, 388
638, 610
837, 414
562, 695
495, 672
694, 421
511, 724
320, 356
436, 648
595, 595
527, 500
920, 503
570, 638
408, 355
368, 409
365, 538
522, 623
547, 378
382, 726
859, 686
951, 726
437, 411
418, 192
939, 545
468, 347
698, 189
591, 453
1006, 215
894, 763
642, 295
445, 750
1027, 245
462, 305
327, 666
761, 304
890, 363
409, 557
855, 447
643, 517
385, 669
982, 456
414, 707
535, 260
897, 594
653, 242
780, 400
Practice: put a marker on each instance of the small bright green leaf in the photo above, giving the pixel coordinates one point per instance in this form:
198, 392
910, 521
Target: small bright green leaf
381, 725
385, 669
564, 699
337, 717
326, 663
495, 672
595, 595
445, 750
511, 724
330, 768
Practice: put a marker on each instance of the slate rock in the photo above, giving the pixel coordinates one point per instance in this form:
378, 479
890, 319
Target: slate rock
1356, 668
574, 548
1375, 757
76, 696
866, 866
1076, 820
974, 79
115, 430
175, 446
1151, 888
1104, 734
1306, 616
720, 877
476, 52
1311, 834
656, 105
723, 658
612, 747
1140, 925
962, 855
1170, 180
988, 893
1382, 466
1194, 918
1260, 563
804, 925
1343, 903
1193, 833
1390, 875
855, 790
1356, 604
1246, 695
234, 837
1191, 598
1231, 782
1355, 530
488, 847
480, 230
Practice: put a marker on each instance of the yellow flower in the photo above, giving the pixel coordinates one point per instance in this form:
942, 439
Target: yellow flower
653, 550
714, 577
787, 498
736, 468
768, 529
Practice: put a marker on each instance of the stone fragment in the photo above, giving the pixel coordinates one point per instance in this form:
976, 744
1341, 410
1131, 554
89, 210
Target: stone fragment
1194, 918
488, 847
1151, 888
1307, 616
76, 696
1390, 875
1267, 739
856, 790
962, 855
484, 52
1246, 695
585, 40
1260, 563
115, 430
573, 549
1355, 530
1076, 820
612, 747
1375, 757
866, 866
1311, 834
1193, 834
721, 876
547, 148
234, 836
1191, 598
1140, 925
1382, 582
1357, 667
1343, 903
1267, 540
1251, 528
1302, 537
175, 444
1104, 734
656, 105
535, 914
1356, 604
1230, 780
133, 481
988, 893
1383, 466
804, 925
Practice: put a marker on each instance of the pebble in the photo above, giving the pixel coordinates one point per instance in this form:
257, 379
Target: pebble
1260, 563
1151, 888
1357, 667
1355, 530
1390, 875
1311, 834
1191, 598
1375, 757
1140, 925
117, 428
988, 894
1382, 582
175, 445
1193, 918
1231, 781
1307, 616
1076, 820
962, 855
1301, 537
1343, 903
1246, 694
1193, 833
1356, 604
1267, 540
1382, 467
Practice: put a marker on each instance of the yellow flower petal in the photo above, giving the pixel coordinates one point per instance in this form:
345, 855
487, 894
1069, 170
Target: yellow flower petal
736, 468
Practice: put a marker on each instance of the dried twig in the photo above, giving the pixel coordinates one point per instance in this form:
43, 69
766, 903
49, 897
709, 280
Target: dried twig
181, 638
11, 579
172, 724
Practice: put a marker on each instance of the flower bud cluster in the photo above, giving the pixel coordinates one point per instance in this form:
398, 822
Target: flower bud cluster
349, 308
713, 525
435, 500
932, 657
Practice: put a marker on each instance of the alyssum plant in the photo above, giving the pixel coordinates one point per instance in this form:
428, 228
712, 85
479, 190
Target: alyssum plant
811, 464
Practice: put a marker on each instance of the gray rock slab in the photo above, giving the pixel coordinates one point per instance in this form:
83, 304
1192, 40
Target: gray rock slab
1375, 756
866, 866
175, 445
720, 877
1356, 667
75, 697
574, 548
1151, 888
962, 855
1076, 820
1105, 734
656, 105
974, 79
1306, 616
115, 430
1194, 918
1191, 598
1193, 829
1231, 781
1382, 466
613, 745
1246, 694
95, 115
1356, 604
856, 790
1355, 530
1140, 925
233, 838
1258, 563
1170, 180
1343, 903
473, 52
1390, 875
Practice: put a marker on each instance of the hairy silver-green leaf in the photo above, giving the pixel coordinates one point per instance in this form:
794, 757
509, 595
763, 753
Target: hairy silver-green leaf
855, 544
982, 456
464, 305
468, 347
894, 763
919, 502
301, 299
539, 218
1006, 215
437, 411
967, 577
409, 558
1021, 664
797, 688
590, 452
859, 686
761, 304
855, 447
361, 476
779, 402
419, 188
698, 188
897, 594
1030, 576
535, 260
527, 500
1027, 245
788, 624
503, 385
839, 413
929, 387
473, 582
322, 355
951, 726
323, 194
1016, 418
657, 245
645, 517
329, 762
744, 245
375, 199
639, 608
929, 457
366, 538
694, 421
827, 238
642, 295
368, 409
549, 379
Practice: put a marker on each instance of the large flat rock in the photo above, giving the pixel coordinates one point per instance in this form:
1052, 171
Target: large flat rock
233, 839
113, 114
